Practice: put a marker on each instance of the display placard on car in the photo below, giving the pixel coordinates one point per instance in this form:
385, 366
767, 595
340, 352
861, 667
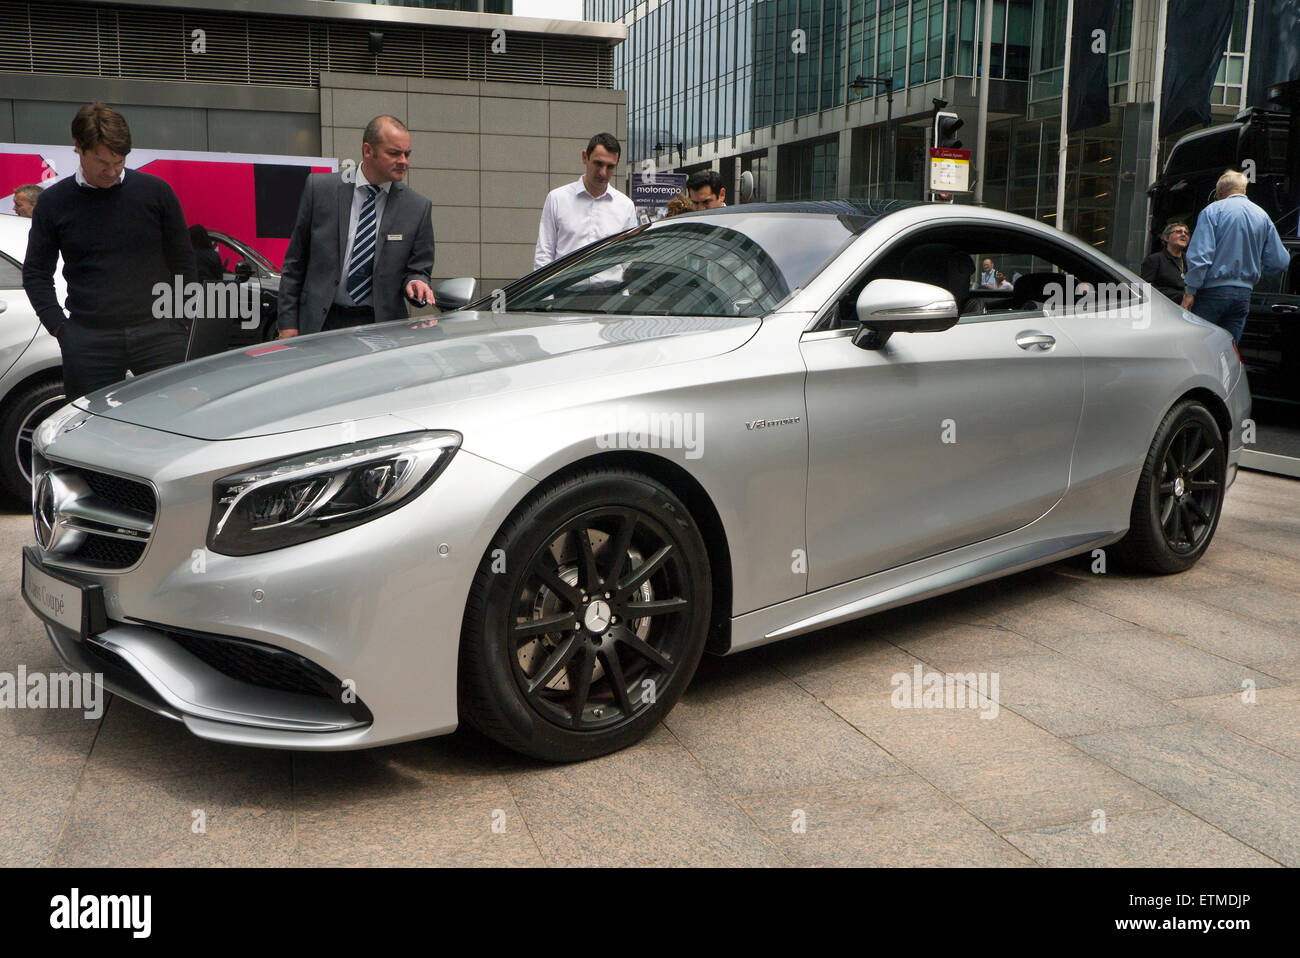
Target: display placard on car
61, 599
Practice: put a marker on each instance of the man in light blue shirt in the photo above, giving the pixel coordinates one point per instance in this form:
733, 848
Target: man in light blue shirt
1234, 245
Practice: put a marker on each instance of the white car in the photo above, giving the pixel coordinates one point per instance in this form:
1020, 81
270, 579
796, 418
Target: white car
31, 384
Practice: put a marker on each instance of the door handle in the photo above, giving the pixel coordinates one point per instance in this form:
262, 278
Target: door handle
4, 304
1281, 308
1032, 339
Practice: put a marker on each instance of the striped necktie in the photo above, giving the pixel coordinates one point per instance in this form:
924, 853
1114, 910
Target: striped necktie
361, 266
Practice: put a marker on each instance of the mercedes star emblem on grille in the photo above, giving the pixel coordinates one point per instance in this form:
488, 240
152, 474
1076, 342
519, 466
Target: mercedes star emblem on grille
45, 514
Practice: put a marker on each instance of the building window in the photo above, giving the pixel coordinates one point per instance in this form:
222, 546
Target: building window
1228, 89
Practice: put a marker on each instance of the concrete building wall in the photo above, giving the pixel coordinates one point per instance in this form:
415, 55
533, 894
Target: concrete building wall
485, 154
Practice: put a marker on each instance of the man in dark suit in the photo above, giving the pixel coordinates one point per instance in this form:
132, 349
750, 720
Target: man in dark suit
363, 242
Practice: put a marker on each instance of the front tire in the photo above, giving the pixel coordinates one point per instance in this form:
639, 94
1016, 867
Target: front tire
587, 618
25, 411
1180, 494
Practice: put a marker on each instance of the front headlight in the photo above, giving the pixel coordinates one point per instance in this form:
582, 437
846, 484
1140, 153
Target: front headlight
49, 428
319, 493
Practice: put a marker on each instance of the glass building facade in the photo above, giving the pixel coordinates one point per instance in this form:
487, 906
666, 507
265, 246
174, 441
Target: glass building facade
765, 86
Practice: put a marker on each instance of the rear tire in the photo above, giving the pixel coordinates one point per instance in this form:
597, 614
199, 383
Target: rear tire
1179, 496
23, 413
587, 618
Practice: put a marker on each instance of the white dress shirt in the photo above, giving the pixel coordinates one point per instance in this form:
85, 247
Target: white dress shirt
81, 180
572, 218
341, 297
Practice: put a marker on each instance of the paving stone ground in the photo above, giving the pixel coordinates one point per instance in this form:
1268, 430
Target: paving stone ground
1121, 733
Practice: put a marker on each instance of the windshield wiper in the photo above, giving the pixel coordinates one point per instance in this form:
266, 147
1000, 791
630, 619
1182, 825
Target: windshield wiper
552, 308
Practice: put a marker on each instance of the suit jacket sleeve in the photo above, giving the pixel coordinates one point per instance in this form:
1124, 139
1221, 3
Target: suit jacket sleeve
420, 263
295, 263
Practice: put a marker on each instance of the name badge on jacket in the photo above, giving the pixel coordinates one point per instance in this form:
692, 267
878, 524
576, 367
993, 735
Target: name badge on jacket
394, 237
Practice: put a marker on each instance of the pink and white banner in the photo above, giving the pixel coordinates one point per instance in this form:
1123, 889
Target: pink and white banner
249, 196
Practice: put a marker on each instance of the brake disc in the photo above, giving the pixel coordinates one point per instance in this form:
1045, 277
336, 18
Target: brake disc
546, 603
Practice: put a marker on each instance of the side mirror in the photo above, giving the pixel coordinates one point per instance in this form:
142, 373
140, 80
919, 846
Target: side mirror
244, 270
888, 306
454, 293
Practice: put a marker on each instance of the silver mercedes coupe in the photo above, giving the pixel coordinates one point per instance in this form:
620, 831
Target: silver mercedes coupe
536, 513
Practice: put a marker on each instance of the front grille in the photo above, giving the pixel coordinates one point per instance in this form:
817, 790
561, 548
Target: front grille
126, 494
103, 552
127, 501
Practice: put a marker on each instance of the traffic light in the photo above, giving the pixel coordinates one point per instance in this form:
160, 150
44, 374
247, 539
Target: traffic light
946, 126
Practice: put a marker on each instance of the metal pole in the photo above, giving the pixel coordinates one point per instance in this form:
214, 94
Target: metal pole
1038, 180
1157, 88
889, 131
1245, 63
981, 136
1064, 145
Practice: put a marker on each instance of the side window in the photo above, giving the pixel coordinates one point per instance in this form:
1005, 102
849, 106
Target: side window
1034, 274
990, 270
11, 274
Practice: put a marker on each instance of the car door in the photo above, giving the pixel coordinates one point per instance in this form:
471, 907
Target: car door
1270, 344
935, 441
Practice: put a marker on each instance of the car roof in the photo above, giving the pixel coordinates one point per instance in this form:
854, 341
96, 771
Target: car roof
835, 207
905, 213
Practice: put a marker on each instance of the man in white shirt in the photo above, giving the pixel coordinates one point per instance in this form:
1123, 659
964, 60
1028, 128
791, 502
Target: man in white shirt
578, 214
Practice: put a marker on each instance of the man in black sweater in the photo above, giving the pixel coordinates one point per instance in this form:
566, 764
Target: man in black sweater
1165, 269
121, 232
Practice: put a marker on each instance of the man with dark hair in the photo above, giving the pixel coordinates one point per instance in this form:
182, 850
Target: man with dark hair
362, 241
1166, 268
121, 233
25, 198
581, 213
706, 189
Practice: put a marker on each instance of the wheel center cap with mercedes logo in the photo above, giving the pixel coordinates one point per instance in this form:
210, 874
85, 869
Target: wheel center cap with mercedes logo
597, 616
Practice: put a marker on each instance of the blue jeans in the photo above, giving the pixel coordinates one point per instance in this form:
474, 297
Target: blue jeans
1226, 306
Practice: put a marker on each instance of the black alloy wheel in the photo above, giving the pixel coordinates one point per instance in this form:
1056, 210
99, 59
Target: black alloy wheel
1180, 493
1191, 487
590, 632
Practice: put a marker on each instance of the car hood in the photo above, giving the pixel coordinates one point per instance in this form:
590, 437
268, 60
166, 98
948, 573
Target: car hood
359, 373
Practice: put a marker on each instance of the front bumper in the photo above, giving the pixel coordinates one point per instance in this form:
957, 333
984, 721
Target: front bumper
374, 612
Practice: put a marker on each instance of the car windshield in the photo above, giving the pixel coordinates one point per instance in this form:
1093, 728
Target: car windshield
730, 264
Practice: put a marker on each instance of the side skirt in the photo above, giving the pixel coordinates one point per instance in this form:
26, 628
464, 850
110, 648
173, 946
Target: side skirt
894, 587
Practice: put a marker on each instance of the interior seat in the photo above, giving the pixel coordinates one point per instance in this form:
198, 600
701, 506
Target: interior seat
1031, 289
943, 265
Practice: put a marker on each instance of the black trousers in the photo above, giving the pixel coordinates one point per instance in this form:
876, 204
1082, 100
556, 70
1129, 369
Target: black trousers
94, 358
340, 317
